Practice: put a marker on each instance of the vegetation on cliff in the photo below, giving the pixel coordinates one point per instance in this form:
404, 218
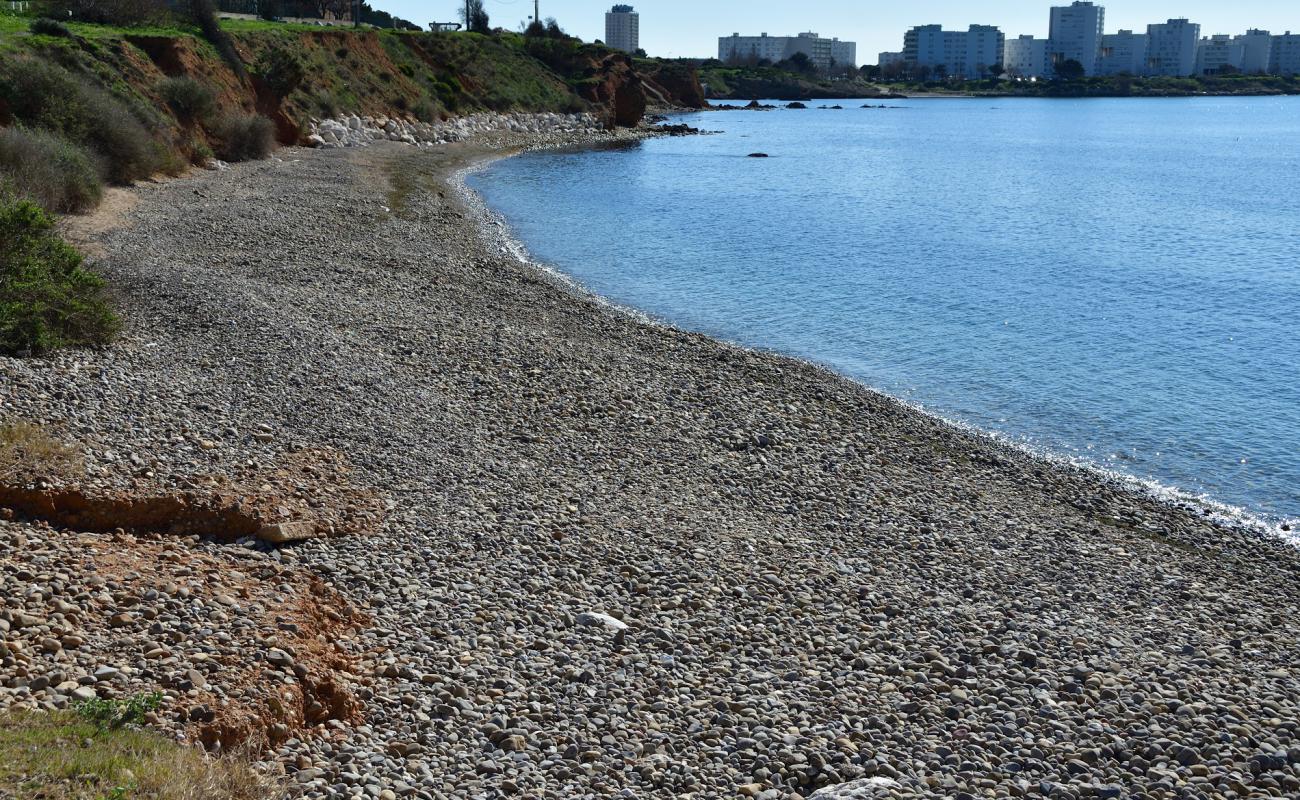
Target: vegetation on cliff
150, 96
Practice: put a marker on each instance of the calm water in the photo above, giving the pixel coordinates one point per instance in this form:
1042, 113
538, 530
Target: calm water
1110, 280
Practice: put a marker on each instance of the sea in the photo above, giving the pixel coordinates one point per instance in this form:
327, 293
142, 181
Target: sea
1110, 282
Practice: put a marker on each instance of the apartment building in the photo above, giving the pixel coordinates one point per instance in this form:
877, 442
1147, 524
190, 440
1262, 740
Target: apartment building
965, 54
1285, 57
824, 53
1219, 55
623, 29
1123, 53
1075, 34
1171, 48
1258, 46
1025, 57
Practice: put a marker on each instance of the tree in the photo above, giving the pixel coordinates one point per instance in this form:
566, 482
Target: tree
996, 71
870, 72
799, 62
940, 72
1070, 70
475, 17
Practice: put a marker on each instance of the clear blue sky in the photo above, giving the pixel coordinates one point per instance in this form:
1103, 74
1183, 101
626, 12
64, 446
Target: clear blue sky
692, 27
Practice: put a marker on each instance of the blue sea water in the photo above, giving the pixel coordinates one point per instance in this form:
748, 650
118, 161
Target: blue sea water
1115, 281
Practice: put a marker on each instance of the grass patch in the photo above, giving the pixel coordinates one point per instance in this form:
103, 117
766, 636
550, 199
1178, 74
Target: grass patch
27, 449
49, 169
47, 300
59, 756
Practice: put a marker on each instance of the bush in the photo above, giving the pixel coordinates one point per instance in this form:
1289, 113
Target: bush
43, 26
281, 71
106, 714
424, 110
188, 99
199, 151
244, 138
43, 95
327, 104
47, 300
42, 166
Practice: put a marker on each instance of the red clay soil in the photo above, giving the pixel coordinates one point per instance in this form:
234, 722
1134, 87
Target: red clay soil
311, 622
311, 486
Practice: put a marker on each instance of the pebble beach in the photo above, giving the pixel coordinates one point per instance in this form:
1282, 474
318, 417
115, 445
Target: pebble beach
579, 554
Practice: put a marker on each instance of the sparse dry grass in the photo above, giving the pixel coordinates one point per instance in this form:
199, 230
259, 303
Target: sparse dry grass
28, 450
59, 756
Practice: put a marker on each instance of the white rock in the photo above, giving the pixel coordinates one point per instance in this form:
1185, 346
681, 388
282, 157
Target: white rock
864, 789
596, 619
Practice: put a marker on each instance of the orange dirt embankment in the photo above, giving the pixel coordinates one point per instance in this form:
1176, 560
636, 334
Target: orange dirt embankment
309, 493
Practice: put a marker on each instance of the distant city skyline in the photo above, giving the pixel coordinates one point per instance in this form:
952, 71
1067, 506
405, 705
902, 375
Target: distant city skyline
689, 28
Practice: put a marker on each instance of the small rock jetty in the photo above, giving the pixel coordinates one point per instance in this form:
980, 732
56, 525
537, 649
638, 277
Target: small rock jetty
355, 131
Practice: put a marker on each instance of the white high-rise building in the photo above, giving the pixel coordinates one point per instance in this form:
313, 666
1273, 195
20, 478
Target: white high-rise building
966, 54
1285, 58
1219, 54
623, 29
1258, 51
1171, 48
1123, 53
1025, 57
823, 53
1076, 34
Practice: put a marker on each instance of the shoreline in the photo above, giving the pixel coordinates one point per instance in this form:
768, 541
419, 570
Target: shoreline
1226, 515
617, 556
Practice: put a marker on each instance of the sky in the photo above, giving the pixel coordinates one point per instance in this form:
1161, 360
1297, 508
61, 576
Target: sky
676, 28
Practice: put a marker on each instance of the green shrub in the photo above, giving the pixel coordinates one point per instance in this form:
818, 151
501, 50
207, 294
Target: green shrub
244, 138
47, 300
424, 110
188, 99
44, 26
327, 104
107, 714
281, 70
42, 166
42, 95
199, 151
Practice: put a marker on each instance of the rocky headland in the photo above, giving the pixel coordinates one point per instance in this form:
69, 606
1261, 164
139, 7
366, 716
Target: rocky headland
557, 551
